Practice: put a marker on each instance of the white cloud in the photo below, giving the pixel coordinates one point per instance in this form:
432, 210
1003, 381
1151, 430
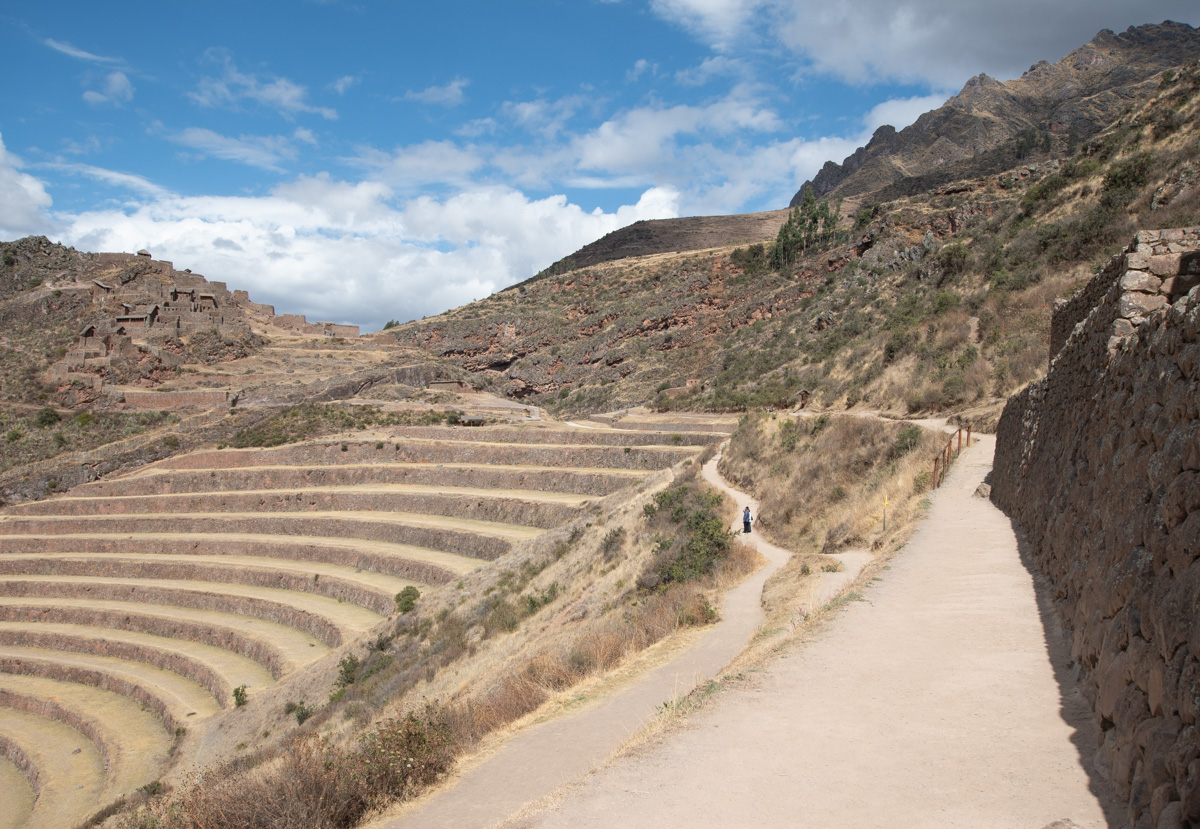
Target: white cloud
343, 251
24, 201
343, 83
900, 112
719, 22
447, 95
430, 162
646, 137
710, 69
640, 66
72, 51
115, 90
262, 151
128, 181
546, 118
232, 86
923, 41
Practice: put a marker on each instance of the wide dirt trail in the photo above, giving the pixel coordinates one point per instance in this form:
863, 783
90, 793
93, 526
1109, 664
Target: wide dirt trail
933, 703
553, 753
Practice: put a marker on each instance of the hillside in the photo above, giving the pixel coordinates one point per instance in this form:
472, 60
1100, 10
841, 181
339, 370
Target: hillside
248, 559
936, 300
1057, 104
646, 237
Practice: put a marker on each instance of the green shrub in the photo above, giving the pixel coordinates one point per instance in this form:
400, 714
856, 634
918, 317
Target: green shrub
347, 670
908, 440
46, 417
954, 259
301, 710
239, 696
406, 599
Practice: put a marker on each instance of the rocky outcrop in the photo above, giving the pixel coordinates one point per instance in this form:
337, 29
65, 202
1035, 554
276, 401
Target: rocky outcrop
1098, 464
1080, 95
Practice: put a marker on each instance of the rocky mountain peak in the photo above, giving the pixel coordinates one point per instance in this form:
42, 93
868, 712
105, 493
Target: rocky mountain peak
1079, 94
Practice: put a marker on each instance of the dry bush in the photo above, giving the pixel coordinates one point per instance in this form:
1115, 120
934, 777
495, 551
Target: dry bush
310, 783
829, 476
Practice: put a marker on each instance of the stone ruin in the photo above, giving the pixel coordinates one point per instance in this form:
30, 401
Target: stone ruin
1098, 464
144, 306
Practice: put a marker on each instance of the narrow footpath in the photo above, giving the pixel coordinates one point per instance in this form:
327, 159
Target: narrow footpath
934, 702
538, 761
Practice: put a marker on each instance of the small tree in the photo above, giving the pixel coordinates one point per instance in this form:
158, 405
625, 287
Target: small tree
406, 599
811, 224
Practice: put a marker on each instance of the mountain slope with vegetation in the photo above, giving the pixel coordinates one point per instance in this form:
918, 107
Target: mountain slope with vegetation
991, 125
939, 300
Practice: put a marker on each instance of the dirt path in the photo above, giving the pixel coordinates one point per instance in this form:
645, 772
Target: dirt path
535, 762
933, 703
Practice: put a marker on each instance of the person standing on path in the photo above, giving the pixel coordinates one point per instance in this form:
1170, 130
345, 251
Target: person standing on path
746, 520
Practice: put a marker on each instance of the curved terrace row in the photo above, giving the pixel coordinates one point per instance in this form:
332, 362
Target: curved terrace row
163, 591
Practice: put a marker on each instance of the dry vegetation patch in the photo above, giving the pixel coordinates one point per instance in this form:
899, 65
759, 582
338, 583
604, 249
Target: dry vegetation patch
821, 482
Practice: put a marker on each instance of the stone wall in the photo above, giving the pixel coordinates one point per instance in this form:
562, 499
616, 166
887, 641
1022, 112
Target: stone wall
1098, 465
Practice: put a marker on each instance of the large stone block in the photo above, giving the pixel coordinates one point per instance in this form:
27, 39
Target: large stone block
1140, 281
1165, 264
1136, 306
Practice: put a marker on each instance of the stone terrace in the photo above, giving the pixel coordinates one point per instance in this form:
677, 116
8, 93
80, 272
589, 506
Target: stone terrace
158, 593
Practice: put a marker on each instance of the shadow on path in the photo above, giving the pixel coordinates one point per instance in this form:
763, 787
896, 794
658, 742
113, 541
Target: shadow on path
1076, 711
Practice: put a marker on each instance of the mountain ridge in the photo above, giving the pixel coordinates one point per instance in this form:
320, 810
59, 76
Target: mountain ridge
1078, 95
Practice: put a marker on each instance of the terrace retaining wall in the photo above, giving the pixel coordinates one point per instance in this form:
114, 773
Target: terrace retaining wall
1098, 465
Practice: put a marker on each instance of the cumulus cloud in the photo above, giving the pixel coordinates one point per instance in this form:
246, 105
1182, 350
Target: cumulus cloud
646, 137
116, 89
720, 22
430, 162
447, 95
24, 201
900, 112
233, 86
345, 251
924, 41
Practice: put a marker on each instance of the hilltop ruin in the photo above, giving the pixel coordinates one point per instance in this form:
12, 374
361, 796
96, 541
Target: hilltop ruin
148, 318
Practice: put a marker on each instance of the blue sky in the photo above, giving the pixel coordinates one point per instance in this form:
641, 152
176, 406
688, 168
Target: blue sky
364, 161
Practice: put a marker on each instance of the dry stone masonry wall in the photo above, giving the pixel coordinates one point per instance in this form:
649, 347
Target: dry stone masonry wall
1098, 464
